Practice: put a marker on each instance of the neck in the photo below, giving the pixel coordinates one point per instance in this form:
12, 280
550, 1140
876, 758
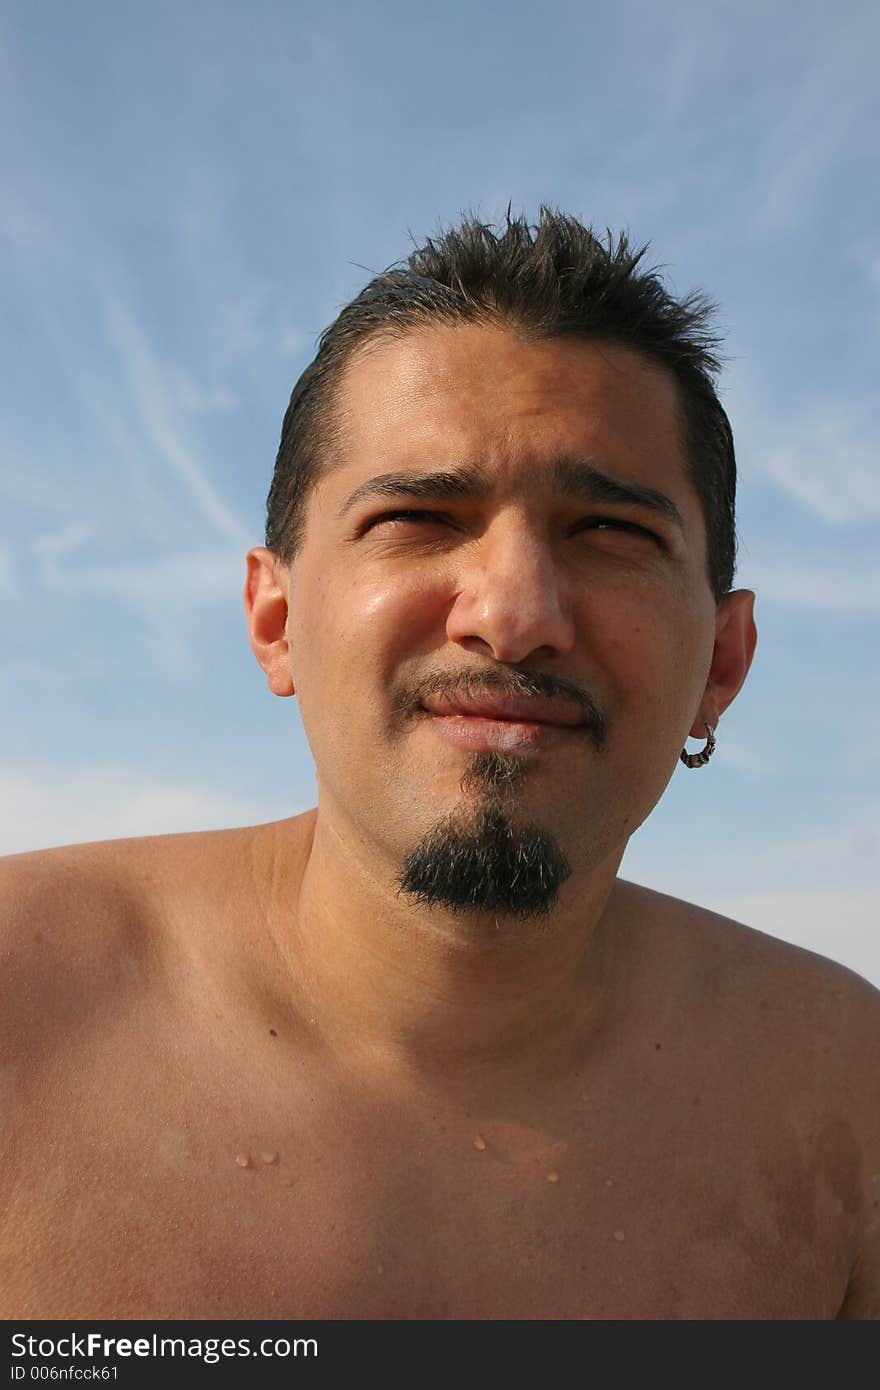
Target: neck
398, 989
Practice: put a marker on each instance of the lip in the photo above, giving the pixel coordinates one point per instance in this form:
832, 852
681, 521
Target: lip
499, 735
502, 724
522, 711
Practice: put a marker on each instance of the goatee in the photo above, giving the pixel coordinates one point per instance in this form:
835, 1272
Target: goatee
478, 860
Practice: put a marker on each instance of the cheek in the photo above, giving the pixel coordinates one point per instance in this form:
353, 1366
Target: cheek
376, 619
349, 637
392, 614
657, 657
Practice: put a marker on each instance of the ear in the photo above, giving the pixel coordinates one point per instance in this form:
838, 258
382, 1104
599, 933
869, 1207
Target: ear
265, 602
735, 638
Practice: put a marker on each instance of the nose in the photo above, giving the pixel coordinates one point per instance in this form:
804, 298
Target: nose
511, 599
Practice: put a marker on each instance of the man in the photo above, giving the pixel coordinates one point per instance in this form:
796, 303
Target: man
419, 1053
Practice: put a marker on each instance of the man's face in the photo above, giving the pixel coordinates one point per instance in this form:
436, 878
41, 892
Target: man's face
505, 520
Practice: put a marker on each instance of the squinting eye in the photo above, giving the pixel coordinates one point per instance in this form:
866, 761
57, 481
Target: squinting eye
593, 523
614, 523
403, 515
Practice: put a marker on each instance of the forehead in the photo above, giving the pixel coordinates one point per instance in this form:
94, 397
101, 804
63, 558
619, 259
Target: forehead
484, 394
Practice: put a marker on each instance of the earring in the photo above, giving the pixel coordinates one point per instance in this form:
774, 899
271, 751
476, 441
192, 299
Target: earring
700, 759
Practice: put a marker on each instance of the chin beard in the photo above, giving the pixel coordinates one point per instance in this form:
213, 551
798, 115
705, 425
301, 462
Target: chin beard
479, 861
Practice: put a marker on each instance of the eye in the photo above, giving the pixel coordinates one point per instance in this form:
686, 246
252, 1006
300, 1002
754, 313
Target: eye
616, 523
403, 515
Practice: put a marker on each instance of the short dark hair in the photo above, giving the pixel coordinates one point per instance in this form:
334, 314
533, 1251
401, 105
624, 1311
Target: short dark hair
552, 280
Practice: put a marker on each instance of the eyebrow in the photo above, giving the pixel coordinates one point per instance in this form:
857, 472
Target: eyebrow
571, 477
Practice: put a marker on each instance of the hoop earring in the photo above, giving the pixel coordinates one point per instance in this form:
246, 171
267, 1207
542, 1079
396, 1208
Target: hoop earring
700, 759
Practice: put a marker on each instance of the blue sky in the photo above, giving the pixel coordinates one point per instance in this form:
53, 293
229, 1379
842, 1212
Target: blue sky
188, 194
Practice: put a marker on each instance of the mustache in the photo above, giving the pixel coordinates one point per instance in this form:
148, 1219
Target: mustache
525, 683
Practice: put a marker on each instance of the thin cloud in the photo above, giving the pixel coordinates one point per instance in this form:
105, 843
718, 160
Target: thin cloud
208, 575
829, 464
738, 754
142, 416
21, 484
167, 592
199, 401
142, 478
158, 418
21, 224
41, 807
824, 457
837, 923
294, 341
819, 890
842, 591
798, 164
825, 112
51, 547
830, 859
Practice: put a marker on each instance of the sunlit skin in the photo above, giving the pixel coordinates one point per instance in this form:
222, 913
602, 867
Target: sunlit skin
252, 1074
394, 591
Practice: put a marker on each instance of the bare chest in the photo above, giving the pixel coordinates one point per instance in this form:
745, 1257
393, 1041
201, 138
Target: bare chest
154, 1195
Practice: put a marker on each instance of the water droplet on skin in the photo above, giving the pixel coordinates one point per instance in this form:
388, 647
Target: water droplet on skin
269, 1157
553, 1176
479, 1142
243, 1160
619, 1235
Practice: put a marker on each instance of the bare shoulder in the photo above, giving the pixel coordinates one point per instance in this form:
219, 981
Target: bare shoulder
63, 914
801, 1031
81, 921
717, 958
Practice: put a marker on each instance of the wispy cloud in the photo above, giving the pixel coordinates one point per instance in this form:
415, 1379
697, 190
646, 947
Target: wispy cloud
829, 859
798, 157
22, 224
198, 400
818, 890
41, 806
845, 590
139, 404
829, 97
837, 923
51, 548
840, 856
294, 341
825, 456
206, 575
249, 321
737, 753
144, 479
19, 484
159, 418
168, 592
829, 462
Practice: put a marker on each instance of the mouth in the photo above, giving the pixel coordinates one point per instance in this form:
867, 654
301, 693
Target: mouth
506, 709
503, 724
